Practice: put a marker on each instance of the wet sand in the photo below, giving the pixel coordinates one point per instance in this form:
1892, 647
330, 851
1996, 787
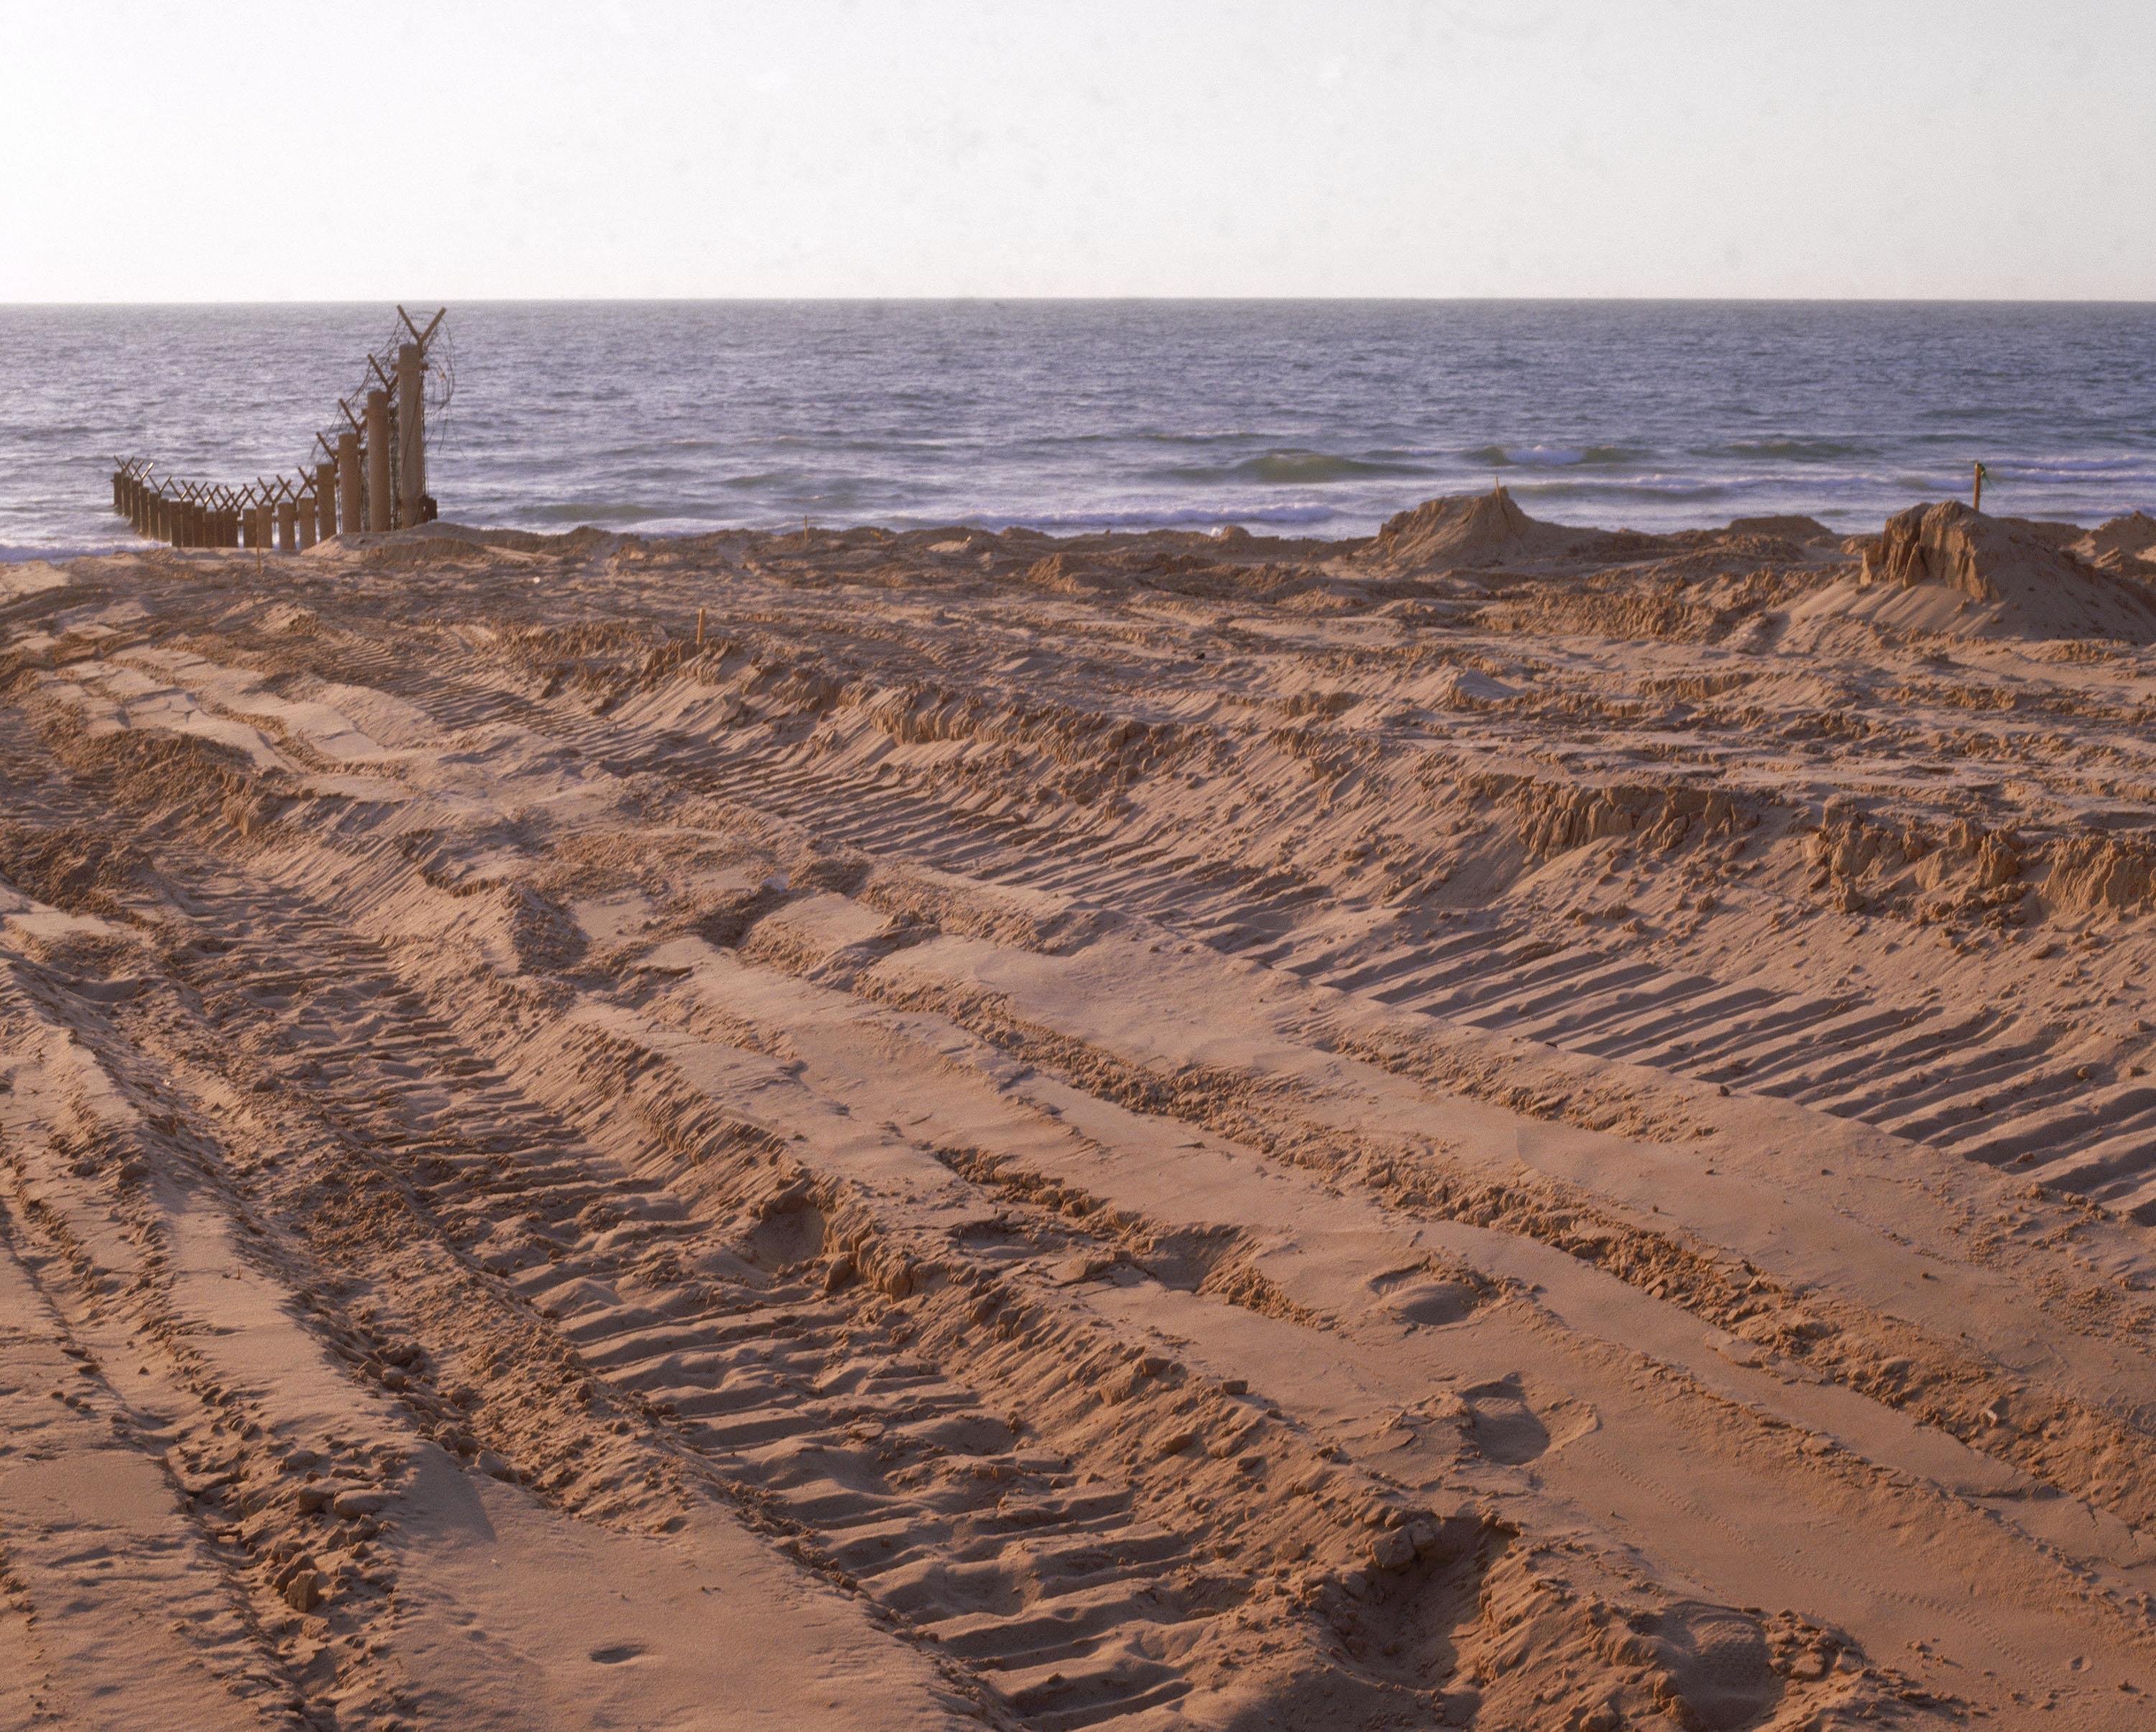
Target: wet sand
1500, 1127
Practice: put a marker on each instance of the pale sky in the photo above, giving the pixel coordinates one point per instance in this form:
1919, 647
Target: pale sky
467, 149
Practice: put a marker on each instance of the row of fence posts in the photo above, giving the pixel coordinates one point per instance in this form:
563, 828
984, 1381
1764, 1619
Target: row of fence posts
355, 486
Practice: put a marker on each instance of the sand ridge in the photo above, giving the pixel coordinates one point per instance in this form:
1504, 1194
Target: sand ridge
1498, 1127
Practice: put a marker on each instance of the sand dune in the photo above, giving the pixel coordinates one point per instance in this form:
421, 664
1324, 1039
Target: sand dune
1498, 1127
2024, 578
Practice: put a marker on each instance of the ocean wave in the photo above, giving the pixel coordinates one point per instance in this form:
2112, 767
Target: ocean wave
19, 553
2135, 470
1172, 517
1788, 450
596, 516
1553, 456
1290, 469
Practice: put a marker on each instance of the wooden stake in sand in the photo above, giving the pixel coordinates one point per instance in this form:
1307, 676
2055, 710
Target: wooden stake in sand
411, 435
380, 507
1977, 503
350, 511
699, 628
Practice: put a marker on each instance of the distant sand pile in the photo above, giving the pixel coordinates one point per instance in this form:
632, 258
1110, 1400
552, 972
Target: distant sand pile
1804, 531
2125, 545
1473, 532
2023, 582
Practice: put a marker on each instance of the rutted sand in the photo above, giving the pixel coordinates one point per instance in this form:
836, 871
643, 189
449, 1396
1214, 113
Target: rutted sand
1500, 1127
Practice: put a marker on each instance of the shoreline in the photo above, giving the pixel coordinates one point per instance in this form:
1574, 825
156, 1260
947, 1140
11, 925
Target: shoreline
1208, 528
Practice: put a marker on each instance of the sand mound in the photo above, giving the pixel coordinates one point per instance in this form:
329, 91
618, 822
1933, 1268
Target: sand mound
467, 536
1061, 575
2125, 545
1478, 530
1788, 526
2021, 581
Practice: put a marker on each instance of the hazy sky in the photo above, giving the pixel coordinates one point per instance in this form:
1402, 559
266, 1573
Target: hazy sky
469, 148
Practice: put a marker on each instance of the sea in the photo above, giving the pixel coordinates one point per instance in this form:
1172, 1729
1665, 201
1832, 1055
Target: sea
1312, 418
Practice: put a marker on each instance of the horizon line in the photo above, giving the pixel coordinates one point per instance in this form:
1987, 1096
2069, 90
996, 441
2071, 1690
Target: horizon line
837, 300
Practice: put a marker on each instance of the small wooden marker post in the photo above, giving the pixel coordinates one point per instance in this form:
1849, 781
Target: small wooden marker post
381, 510
699, 628
351, 512
1977, 503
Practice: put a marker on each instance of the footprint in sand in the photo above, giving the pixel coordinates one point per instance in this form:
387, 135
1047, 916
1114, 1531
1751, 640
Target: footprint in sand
1505, 1427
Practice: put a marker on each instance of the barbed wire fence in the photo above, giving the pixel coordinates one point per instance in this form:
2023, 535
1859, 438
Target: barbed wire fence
370, 473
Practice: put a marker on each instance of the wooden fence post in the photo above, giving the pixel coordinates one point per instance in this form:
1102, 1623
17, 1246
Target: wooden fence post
381, 504
309, 518
411, 434
351, 512
326, 520
288, 526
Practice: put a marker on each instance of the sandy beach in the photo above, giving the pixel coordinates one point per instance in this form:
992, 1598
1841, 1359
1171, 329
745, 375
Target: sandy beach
1500, 1125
